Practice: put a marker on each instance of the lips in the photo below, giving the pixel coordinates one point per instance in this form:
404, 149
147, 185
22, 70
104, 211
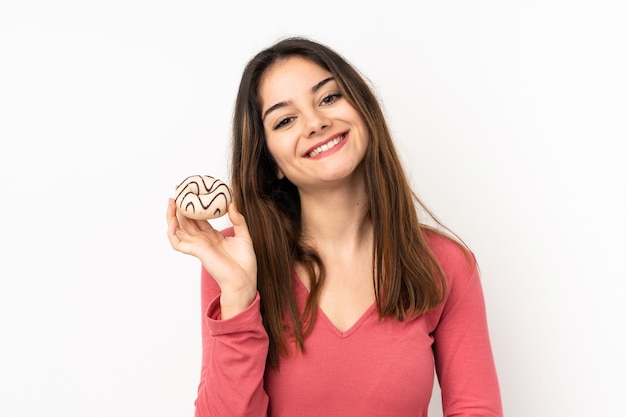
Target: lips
326, 146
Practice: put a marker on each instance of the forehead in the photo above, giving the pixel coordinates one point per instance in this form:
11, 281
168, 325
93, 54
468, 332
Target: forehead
288, 77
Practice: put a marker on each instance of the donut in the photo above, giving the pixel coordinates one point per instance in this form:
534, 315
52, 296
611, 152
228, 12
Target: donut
202, 197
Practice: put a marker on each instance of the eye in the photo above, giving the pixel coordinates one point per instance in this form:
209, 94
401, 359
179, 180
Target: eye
331, 98
283, 122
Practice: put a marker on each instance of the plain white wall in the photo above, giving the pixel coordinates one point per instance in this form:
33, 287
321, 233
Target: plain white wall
509, 116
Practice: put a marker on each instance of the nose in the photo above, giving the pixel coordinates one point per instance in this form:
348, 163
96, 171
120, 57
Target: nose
316, 121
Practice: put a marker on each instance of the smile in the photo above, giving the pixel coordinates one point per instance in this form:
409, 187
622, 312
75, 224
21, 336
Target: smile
328, 145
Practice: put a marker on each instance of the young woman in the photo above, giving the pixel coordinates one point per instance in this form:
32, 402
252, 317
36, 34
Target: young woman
328, 296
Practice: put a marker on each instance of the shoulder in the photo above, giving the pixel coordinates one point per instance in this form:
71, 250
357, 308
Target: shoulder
457, 263
463, 287
453, 256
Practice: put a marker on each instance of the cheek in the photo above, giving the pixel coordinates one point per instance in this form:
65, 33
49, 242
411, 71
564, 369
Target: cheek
270, 143
274, 150
281, 147
279, 159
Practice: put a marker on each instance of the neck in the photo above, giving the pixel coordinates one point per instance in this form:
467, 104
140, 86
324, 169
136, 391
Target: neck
336, 219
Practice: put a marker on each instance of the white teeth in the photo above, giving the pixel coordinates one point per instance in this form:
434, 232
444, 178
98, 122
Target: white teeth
325, 147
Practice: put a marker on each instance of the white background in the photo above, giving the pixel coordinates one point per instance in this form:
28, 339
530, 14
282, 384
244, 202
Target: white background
509, 116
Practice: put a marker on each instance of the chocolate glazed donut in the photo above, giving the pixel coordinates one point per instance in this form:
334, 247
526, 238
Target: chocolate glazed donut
203, 197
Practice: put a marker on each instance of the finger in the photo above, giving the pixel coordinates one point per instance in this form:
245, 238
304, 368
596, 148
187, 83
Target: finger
240, 226
196, 230
171, 209
176, 233
174, 239
170, 216
174, 230
187, 224
180, 239
173, 234
204, 226
198, 226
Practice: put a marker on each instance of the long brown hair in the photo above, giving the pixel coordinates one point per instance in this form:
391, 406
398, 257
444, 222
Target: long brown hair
408, 279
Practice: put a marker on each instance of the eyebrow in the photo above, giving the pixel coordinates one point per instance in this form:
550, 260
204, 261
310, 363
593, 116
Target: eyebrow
314, 89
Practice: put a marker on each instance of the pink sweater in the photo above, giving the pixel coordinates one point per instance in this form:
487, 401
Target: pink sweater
376, 368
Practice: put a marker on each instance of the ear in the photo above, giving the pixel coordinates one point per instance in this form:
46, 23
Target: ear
280, 174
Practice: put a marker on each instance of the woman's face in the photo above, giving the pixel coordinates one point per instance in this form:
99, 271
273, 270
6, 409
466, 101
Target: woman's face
314, 134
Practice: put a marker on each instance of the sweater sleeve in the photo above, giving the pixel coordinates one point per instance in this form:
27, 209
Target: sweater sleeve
462, 348
234, 353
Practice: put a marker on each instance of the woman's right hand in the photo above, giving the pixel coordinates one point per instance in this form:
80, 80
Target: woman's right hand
230, 260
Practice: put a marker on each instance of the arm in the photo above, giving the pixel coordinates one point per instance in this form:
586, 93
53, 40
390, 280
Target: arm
234, 341
462, 348
234, 352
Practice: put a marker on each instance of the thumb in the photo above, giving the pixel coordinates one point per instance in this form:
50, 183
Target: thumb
240, 226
